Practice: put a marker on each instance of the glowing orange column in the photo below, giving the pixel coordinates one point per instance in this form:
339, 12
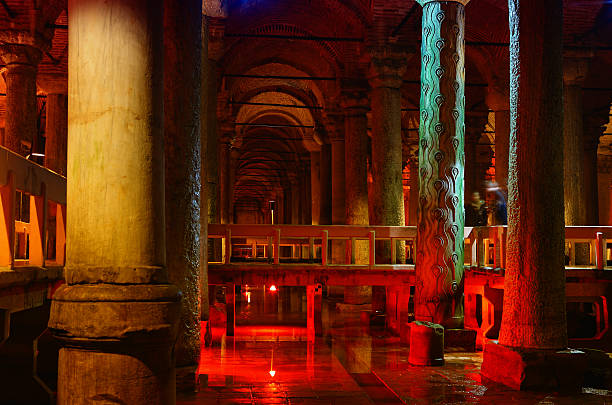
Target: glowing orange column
117, 314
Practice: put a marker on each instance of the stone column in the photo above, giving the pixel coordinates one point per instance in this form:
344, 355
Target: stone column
387, 68
534, 285
182, 93
591, 195
295, 202
117, 316
224, 156
19, 73
439, 253
56, 131
315, 186
575, 68
338, 248
413, 202
355, 105
325, 177
499, 101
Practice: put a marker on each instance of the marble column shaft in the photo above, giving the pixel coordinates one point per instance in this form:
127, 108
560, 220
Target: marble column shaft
439, 253
534, 285
117, 315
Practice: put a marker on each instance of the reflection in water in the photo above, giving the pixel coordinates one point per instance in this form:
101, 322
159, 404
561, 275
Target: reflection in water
271, 360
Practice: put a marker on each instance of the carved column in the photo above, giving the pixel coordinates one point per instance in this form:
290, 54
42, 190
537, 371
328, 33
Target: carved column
19, 73
439, 256
575, 68
182, 92
117, 315
534, 285
498, 100
355, 105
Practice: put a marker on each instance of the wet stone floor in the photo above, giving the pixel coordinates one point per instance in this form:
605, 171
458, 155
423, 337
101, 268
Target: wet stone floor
350, 365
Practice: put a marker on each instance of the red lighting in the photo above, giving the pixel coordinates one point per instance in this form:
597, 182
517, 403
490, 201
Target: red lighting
272, 288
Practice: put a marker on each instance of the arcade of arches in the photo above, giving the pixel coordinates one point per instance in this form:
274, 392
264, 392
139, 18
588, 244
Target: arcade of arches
171, 123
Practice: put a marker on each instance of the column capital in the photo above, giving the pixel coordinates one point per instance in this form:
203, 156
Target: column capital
334, 124
423, 3
355, 97
388, 64
18, 54
53, 83
576, 66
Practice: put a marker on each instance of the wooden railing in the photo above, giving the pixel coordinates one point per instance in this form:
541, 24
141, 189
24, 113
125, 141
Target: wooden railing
486, 246
32, 213
311, 242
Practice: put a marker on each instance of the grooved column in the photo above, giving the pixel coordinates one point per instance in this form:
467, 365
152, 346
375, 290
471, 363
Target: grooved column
439, 253
534, 285
21, 112
325, 176
575, 69
182, 92
56, 132
117, 315
386, 70
355, 105
315, 186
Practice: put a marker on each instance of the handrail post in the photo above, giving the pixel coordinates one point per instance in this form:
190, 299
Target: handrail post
324, 243
270, 249
393, 252
371, 240
353, 250
599, 251
311, 249
277, 239
228, 244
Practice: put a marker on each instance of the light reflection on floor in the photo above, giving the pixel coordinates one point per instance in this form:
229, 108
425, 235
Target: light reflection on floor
350, 365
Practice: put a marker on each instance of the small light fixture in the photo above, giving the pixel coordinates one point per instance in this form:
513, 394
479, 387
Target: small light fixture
272, 288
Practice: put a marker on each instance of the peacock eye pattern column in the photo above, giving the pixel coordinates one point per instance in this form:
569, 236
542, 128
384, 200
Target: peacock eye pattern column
439, 259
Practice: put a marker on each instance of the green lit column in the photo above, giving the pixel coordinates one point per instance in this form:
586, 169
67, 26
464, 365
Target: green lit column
439, 259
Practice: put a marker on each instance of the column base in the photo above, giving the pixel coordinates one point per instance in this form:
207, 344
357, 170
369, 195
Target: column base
534, 369
117, 343
187, 379
426, 344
